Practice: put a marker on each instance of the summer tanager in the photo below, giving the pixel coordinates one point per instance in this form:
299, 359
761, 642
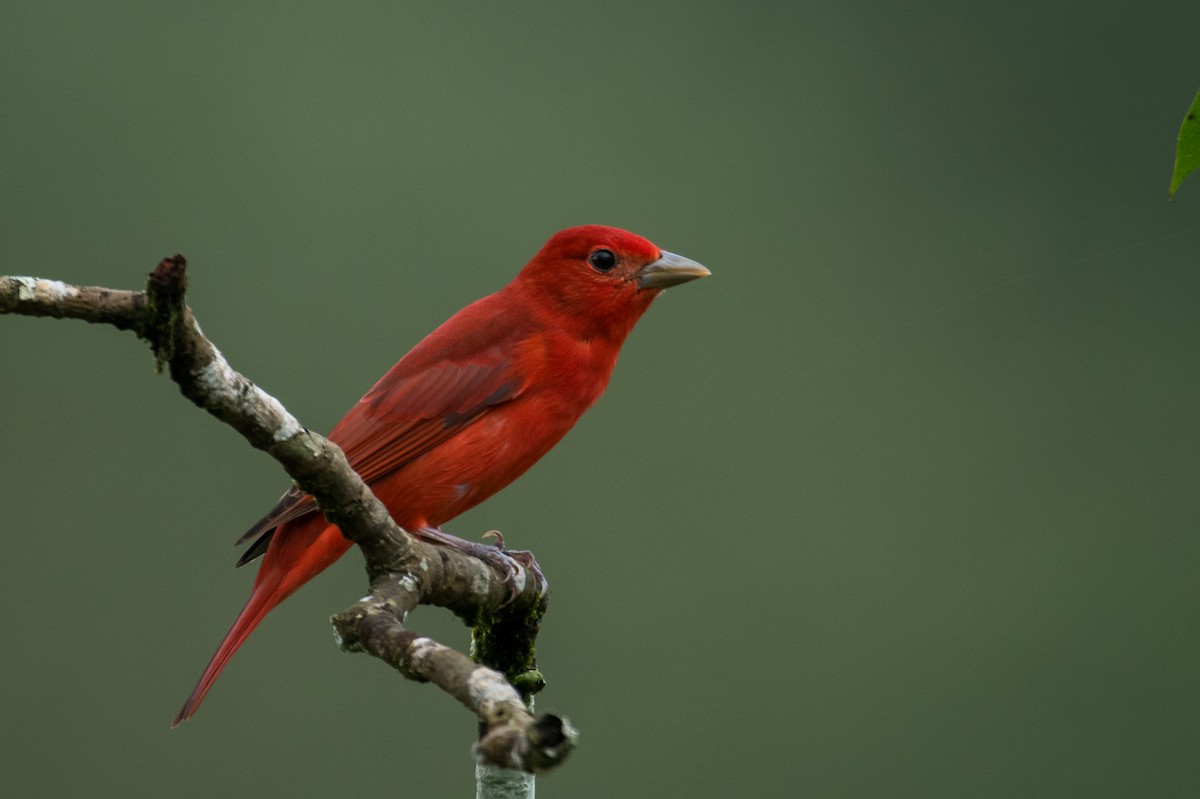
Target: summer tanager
470, 408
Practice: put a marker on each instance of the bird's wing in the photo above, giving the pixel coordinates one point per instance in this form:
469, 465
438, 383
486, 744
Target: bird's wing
444, 385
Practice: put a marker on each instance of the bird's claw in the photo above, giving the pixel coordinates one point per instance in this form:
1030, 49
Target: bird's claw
526, 559
507, 561
497, 556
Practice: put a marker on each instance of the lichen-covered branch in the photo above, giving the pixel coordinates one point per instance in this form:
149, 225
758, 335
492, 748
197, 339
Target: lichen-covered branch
404, 571
513, 737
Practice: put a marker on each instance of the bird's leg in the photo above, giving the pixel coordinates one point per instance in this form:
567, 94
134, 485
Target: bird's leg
494, 554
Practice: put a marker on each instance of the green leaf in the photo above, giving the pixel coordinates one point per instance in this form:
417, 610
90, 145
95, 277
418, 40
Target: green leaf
1187, 152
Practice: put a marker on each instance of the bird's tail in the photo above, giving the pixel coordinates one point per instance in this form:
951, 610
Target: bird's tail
266, 595
298, 551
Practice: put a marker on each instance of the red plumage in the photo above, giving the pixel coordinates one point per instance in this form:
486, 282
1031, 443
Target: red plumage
471, 407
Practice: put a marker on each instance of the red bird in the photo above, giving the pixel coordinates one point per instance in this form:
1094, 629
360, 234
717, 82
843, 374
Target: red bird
470, 408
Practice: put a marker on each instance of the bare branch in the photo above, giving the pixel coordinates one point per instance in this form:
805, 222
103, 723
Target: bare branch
33, 296
403, 571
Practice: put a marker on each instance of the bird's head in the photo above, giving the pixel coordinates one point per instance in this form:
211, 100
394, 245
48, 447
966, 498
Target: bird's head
602, 278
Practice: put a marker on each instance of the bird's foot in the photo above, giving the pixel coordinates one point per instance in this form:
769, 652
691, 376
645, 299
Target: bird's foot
526, 559
496, 555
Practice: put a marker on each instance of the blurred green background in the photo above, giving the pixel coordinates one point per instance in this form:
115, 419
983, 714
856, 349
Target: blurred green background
901, 502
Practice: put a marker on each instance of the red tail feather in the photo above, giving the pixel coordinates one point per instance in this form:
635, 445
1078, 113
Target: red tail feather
262, 600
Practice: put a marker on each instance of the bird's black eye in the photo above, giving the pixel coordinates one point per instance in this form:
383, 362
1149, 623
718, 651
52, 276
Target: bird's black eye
602, 260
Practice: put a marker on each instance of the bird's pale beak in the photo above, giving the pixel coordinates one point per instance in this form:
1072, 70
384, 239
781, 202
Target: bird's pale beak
669, 270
